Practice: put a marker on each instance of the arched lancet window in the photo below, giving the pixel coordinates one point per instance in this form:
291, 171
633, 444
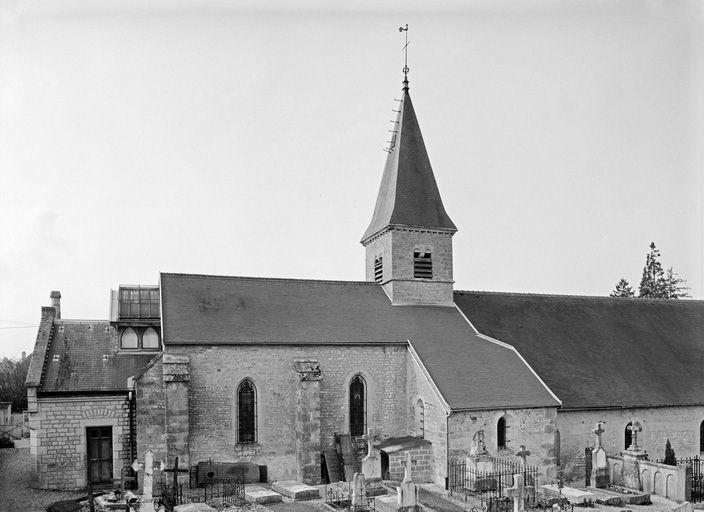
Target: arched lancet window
150, 339
378, 269
701, 436
246, 412
129, 339
420, 418
628, 436
558, 440
501, 433
422, 264
358, 406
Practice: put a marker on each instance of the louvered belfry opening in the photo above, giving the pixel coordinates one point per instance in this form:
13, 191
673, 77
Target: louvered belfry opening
378, 270
358, 409
247, 412
422, 265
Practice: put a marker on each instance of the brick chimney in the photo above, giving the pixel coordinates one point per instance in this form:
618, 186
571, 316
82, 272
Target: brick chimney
56, 303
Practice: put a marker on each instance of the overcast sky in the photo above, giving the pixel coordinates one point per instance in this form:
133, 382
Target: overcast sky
194, 136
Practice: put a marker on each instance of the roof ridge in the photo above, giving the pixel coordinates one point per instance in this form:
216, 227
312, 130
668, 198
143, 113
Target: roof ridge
275, 279
80, 321
577, 296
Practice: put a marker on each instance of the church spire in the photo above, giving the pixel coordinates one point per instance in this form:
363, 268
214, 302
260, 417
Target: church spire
408, 195
409, 239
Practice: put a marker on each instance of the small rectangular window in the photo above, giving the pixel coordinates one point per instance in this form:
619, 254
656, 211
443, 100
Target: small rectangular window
378, 270
422, 265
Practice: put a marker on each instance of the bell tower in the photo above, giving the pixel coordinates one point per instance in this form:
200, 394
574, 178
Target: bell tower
409, 240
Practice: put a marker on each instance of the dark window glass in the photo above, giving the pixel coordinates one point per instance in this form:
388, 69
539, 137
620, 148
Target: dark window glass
628, 436
501, 433
247, 412
358, 409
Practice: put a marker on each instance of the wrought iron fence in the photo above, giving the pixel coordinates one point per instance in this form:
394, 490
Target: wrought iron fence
340, 497
490, 487
205, 485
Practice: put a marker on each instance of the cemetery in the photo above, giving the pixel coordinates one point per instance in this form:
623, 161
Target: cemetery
483, 482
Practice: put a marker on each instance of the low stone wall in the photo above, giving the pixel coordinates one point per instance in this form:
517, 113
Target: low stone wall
672, 482
421, 468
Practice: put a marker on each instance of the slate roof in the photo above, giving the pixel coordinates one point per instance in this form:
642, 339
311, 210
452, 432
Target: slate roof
408, 195
81, 365
600, 352
470, 372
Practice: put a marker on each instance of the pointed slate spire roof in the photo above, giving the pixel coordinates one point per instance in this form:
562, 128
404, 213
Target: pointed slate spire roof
408, 195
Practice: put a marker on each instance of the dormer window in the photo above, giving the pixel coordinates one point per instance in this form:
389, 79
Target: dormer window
422, 264
135, 338
378, 270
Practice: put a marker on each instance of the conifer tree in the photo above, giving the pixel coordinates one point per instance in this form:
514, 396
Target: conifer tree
670, 458
675, 286
623, 289
652, 282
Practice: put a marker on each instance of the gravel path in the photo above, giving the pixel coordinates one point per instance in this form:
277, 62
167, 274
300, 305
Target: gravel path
15, 494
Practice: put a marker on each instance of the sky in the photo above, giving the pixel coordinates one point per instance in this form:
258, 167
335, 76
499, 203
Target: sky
247, 139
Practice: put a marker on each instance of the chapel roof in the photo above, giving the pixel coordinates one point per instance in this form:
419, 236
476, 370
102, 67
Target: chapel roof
82, 356
600, 352
470, 372
408, 194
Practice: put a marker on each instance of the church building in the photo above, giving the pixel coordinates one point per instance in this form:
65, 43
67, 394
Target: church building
273, 371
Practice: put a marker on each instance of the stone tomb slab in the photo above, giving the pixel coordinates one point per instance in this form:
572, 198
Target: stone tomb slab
261, 495
295, 490
576, 496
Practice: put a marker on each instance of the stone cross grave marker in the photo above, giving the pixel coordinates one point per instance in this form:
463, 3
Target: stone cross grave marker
518, 493
359, 494
598, 430
634, 428
147, 468
408, 491
523, 454
371, 464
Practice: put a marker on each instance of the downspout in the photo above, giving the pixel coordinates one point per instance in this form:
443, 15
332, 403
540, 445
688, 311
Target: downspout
131, 398
447, 450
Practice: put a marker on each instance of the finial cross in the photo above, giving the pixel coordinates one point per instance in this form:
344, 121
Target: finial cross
405, 49
598, 430
634, 428
523, 454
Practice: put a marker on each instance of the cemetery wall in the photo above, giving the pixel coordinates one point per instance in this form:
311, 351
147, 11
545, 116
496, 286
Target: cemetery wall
533, 428
59, 438
216, 371
434, 417
681, 425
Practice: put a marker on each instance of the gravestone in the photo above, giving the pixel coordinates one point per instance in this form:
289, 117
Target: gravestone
146, 466
408, 490
600, 467
480, 462
518, 492
371, 464
359, 494
631, 458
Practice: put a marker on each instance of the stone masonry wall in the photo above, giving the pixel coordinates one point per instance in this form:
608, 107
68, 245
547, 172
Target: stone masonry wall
421, 464
434, 419
533, 428
151, 412
681, 425
396, 247
58, 438
216, 371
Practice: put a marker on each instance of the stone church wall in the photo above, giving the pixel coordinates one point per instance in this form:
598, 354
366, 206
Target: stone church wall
533, 428
216, 372
434, 418
58, 438
681, 425
151, 412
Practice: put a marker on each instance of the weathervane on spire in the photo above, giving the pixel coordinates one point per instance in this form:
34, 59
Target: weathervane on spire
405, 60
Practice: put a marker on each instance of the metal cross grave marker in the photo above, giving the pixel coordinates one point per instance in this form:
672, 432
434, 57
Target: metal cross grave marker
523, 454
